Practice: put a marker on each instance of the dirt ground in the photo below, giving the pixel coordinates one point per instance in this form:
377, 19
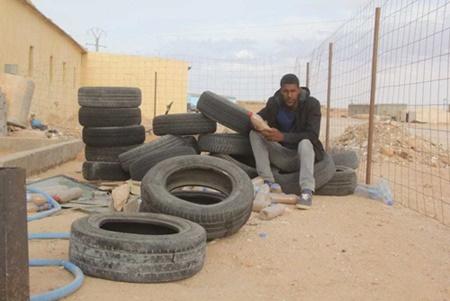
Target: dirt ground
344, 248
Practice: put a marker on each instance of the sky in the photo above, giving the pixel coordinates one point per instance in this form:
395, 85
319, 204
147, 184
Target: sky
203, 28
235, 47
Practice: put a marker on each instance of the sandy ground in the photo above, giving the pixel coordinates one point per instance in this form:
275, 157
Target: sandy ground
344, 248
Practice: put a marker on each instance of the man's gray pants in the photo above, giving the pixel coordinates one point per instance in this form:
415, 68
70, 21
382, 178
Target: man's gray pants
267, 152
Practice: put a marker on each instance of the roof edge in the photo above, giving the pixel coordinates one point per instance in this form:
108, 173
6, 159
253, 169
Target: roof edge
48, 20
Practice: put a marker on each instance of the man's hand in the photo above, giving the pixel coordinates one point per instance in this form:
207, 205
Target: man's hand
273, 135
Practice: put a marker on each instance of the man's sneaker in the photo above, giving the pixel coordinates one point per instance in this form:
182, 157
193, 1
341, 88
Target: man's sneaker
305, 200
274, 187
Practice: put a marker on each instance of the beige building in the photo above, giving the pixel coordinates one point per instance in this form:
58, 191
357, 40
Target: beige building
35, 47
101, 69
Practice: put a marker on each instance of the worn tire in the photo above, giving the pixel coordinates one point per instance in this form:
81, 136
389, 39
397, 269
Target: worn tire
246, 159
109, 97
153, 253
225, 112
192, 142
106, 171
230, 144
105, 117
219, 220
249, 170
348, 158
114, 136
323, 172
164, 143
200, 197
343, 182
106, 154
183, 124
140, 167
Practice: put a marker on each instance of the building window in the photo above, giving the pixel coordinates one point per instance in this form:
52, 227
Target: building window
50, 69
74, 77
64, 72
30, 61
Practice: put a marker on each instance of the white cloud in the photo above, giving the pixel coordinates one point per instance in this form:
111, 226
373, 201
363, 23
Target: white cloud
244, 54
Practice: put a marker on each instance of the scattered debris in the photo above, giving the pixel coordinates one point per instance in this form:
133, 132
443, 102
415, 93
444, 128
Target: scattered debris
272, 211
120, 196
263, 235
393, 142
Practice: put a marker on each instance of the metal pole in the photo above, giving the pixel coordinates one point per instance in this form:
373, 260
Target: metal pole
373, 89
330, 67
156, 95
14, 283
307, 74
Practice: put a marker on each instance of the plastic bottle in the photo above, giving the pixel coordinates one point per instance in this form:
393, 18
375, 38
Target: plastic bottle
379, 191
282, 198
258, 123
262, 198
272, 211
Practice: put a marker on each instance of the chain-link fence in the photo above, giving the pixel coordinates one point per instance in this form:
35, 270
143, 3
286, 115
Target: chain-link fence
411, 135
410, 108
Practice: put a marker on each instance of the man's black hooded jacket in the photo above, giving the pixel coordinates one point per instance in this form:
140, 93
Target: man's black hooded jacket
306, 124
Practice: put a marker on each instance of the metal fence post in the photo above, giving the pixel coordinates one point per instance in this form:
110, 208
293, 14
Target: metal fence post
307, 74
155, 96
373, 89
14, 283
330, 66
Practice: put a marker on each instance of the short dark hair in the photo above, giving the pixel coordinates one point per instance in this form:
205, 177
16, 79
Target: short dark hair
289, 79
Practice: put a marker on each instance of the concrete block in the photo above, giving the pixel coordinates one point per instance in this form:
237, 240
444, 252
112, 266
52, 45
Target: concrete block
19, 93
43, 158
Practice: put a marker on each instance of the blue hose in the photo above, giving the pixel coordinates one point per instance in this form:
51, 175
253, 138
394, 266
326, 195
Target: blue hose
65, 290
32, 236
79, 277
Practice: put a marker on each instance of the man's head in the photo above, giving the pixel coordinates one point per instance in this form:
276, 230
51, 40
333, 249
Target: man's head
290, 89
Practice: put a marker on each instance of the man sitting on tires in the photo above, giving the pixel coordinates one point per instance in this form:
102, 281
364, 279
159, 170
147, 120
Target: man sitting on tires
292, 142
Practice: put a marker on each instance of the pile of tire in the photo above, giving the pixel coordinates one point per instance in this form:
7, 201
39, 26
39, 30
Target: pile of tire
334, 175
111, 118
167, 240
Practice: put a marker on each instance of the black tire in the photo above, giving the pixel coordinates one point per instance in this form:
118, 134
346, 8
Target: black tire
246, 159
225, 112
163, 143
219, 220
230, 144
114, 136
343, 182
323, 172
109, 97
142, 247
200, 197
348, 158
140, 167
192, 142
105, 117
183, 124
106, 154
249, 170
105, 171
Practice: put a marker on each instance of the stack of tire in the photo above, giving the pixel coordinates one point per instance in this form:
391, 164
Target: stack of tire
112, 125
345, 179
177, 133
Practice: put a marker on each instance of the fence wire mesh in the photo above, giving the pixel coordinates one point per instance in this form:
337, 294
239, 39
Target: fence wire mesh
411, 130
